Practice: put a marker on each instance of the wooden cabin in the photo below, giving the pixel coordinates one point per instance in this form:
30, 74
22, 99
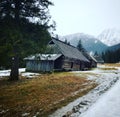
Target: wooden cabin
63, 57
43, 62
99, 59
93, 61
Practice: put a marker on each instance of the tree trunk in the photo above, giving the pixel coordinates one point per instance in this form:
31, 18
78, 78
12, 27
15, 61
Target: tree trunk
14, 75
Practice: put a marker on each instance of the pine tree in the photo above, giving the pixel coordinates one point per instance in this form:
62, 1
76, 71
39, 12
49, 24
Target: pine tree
14, 15
103, 56
96, 54
80, 46
112, 56
66, 41
25, 9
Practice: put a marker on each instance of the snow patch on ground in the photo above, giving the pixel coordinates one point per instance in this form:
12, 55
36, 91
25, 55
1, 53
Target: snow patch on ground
99, 102
105, 80
22, 70
29, 74
108, 105
4, 73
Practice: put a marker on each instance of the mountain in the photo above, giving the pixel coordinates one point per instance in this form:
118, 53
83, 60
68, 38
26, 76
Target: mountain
90, 43
110, 37
114, 48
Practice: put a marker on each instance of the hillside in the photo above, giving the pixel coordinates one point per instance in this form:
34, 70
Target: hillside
90, 43
110, 37
114, 48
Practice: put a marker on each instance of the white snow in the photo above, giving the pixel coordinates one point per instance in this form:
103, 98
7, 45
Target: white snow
4, 73
77, 36
29, 74
22, 72
108, 104
110, 37
105, 80
96, 41
7, 72
25, 114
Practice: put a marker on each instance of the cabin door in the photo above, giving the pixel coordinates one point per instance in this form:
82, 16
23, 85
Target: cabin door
71, 65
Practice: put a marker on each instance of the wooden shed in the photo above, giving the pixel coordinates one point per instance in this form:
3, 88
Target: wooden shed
73, 59
99, 59
93, 61
43, 62
63, 57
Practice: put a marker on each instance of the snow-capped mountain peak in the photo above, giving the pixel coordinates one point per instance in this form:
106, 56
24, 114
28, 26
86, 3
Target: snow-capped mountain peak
110, 37
76, 35
89, 42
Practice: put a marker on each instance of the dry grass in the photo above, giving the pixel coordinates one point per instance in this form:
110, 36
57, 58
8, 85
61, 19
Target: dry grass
86, 74
109, 68
44, 94
113, 65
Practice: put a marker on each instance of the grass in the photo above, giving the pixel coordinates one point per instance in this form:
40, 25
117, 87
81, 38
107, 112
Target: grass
44, 94
86, 74
113, 65
109, 68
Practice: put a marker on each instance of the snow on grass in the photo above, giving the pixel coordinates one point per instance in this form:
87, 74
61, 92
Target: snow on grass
4, 73
104, 78
22, 70
108, 104
41, 95
29, 74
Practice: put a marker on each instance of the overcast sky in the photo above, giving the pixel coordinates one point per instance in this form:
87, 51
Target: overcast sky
86, 16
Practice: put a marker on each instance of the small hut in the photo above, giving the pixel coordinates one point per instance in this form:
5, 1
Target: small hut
64, 57
99, 59
43, 62
93, 61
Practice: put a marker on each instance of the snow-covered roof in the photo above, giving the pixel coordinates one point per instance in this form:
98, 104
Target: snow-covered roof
93, 58
49, 57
